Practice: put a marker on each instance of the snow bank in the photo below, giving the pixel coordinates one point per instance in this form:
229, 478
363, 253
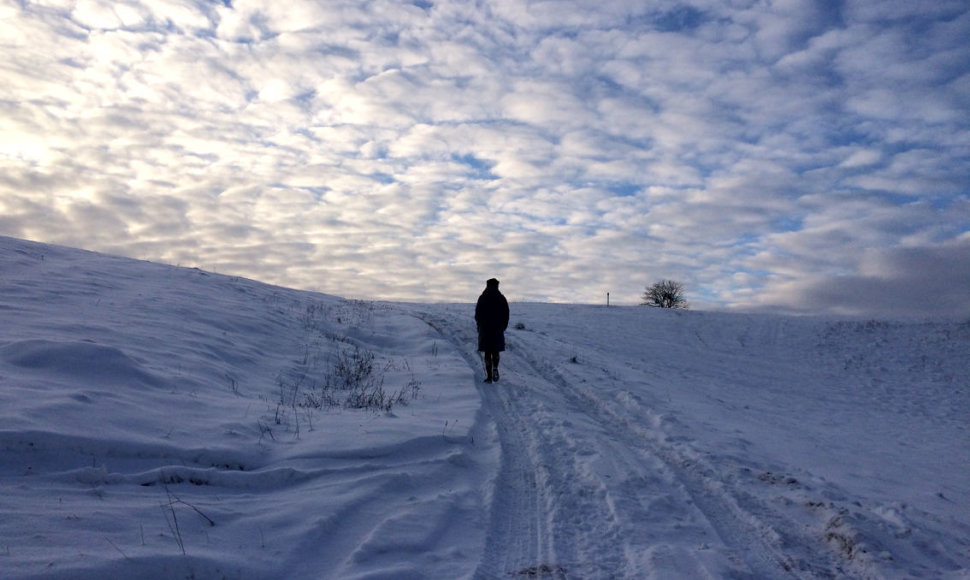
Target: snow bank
152, 426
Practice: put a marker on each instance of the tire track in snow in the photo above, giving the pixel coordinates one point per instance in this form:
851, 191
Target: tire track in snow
753, 533
616, 512
556, 516
590, 489
517, 541
518, 538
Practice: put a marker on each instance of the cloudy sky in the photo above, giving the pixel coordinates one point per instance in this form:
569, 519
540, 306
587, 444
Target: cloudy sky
770, 154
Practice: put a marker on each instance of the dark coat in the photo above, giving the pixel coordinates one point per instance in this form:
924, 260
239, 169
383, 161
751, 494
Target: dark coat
492, 317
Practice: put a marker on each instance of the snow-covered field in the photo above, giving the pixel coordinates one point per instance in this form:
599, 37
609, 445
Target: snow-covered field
158, 422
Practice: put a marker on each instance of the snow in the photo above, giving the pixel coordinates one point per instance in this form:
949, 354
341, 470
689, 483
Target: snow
153, 423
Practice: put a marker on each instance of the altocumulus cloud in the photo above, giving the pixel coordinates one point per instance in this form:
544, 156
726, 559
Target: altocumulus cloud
796, 155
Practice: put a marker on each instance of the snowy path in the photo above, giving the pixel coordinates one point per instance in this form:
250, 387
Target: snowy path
721, 447
588, 489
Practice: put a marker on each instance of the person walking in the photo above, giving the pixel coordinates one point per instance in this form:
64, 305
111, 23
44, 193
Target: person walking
492, 318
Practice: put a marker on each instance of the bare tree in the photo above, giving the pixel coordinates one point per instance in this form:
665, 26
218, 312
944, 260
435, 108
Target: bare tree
665, 294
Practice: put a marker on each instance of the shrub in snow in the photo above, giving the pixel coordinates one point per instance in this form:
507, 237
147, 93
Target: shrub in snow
665, 294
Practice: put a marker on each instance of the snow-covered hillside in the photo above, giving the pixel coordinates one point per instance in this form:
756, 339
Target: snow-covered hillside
161, 422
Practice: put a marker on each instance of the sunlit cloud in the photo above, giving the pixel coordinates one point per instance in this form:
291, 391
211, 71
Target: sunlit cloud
757, 152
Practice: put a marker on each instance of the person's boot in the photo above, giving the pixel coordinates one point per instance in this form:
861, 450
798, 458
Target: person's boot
488, 367
495, 358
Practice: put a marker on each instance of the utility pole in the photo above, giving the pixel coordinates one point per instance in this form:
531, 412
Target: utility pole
607, 299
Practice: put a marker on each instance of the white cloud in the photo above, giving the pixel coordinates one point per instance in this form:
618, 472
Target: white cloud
545, 104
862, 158
385, 150
99, 14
